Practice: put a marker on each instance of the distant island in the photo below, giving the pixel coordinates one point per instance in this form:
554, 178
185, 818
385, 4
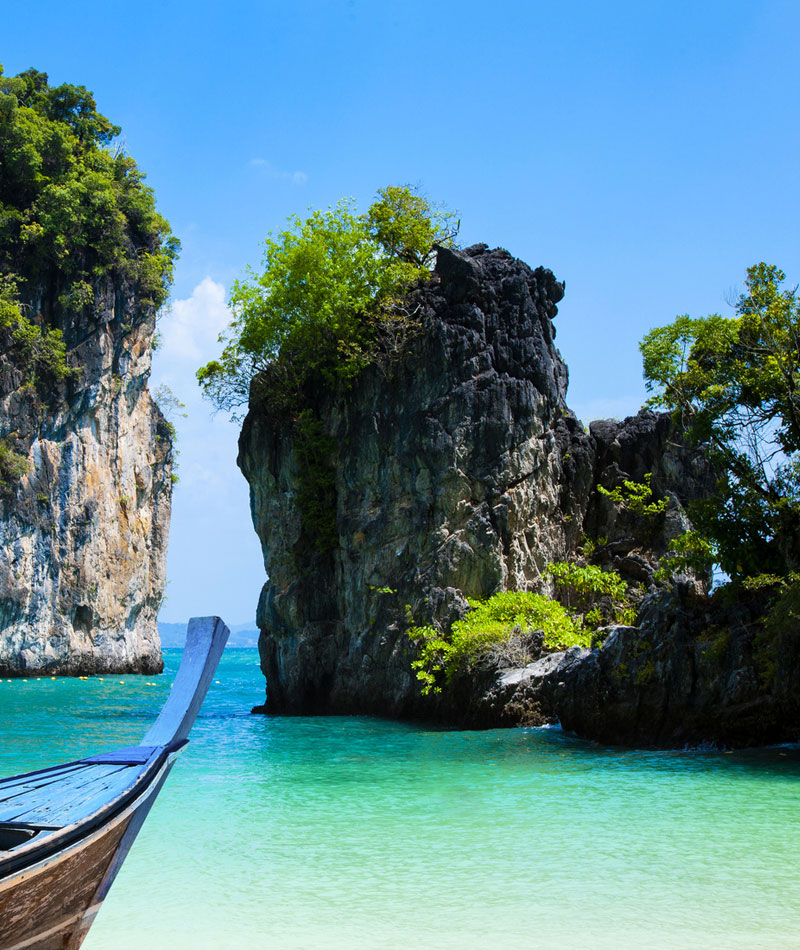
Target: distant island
242, 635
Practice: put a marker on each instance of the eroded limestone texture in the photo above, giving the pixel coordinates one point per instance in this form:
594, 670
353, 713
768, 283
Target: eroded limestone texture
459, 471
84, 532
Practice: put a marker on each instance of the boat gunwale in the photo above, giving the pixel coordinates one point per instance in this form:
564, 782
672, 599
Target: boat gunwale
82, 833
33, 852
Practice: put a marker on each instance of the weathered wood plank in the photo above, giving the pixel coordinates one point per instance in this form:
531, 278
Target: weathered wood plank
57, 791
79, 801
41, 777
80, 809
54, 900
74, 779
55, 795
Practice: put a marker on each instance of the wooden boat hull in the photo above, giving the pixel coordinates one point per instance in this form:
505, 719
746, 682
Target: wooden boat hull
54, 908
52, 904
66, 830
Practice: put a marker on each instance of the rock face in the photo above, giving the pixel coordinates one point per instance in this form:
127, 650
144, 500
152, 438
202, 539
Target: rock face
691, 672
629, 450
84, 531
459, 472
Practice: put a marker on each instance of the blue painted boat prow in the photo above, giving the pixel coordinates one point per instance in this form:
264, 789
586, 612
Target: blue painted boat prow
65, 830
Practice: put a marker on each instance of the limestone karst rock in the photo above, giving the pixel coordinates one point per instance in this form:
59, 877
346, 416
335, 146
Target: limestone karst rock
695, 671
456, 471
84, 530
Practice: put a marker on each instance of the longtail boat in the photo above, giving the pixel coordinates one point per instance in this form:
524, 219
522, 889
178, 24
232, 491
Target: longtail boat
65, 830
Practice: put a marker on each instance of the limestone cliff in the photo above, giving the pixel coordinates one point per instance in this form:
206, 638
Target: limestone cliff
83, 531
457, 471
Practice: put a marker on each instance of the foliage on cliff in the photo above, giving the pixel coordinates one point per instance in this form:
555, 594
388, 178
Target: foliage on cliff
329, 285
73, 209
12, 464
501, 629
38, 352
636, 497
733, 383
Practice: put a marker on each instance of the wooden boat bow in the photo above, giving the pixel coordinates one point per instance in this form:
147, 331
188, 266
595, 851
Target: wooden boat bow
65, 830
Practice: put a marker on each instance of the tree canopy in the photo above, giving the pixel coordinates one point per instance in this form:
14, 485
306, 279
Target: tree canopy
72, 209
327, 284
734, 386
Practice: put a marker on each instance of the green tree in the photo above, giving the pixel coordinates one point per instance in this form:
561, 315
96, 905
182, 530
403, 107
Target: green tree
73, 210
733, 384
327, 284
408, 226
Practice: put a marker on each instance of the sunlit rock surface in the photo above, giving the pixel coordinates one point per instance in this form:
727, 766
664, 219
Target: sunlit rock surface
459, 471
84, 532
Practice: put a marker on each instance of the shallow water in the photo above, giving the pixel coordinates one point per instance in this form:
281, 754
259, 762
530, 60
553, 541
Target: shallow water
287, 834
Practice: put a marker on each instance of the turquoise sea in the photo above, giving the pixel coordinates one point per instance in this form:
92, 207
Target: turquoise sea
315, 834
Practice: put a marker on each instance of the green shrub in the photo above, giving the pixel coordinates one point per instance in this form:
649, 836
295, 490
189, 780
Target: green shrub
594, 597
499, 630
491, 619
688, 552
587, 582
12, 465
636, 497
434, 657
486, 628
329, 284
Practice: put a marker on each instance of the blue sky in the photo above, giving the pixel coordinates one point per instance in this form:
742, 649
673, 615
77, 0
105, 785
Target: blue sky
647, 152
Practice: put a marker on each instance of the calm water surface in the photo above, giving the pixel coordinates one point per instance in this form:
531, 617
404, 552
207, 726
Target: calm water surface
288, 834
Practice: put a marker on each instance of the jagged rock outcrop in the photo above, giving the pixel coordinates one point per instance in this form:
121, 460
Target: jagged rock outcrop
459, 471
84, 530
628, 450
692, 672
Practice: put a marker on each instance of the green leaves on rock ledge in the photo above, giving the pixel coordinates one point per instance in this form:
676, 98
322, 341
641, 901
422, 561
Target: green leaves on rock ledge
37, 351
13, 464
327, 285
511, 628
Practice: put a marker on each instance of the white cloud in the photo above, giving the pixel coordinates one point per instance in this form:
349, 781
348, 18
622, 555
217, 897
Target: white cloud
211, 499
272, 171
190, 329
189, 334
